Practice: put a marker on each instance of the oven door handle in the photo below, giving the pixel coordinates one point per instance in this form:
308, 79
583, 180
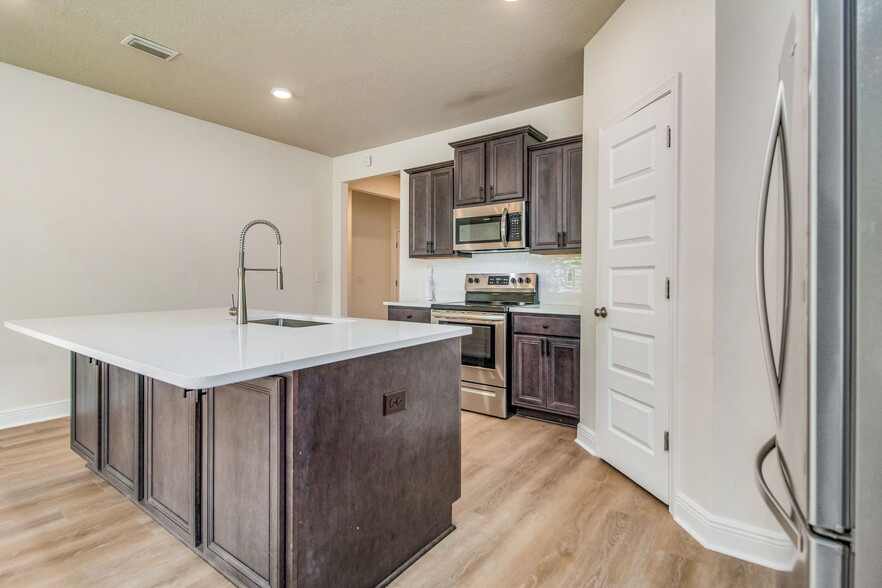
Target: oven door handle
479, 319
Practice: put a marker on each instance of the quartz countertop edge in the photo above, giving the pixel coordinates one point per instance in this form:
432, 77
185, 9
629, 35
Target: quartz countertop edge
563, 309
419, 303
204, 348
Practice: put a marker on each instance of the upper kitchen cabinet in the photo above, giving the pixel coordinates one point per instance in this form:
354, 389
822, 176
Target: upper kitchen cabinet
492, 168
431, 210
556, 196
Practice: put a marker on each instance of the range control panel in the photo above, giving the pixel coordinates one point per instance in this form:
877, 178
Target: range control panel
501, 282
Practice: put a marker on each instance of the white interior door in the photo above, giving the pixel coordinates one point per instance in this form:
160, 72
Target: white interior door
634, 249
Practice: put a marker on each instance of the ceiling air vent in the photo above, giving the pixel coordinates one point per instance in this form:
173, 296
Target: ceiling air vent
154, 49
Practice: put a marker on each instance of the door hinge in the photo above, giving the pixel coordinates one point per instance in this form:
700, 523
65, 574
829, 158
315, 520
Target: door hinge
669, 135
668, 288
667, 440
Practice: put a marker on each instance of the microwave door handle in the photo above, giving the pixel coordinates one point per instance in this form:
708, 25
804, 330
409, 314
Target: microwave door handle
504, 227
765, 332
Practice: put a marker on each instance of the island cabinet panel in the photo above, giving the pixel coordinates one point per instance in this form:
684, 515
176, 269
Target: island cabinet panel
243, 475
371, 492
171, 458
121, 431
85, 408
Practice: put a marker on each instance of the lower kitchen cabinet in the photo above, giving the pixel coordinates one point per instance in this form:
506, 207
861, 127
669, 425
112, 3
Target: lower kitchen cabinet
85, 407
171, 458
410, 314
121, 432
243, 481
545, 366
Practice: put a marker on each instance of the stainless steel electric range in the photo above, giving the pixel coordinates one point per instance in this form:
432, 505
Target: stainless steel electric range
488, 299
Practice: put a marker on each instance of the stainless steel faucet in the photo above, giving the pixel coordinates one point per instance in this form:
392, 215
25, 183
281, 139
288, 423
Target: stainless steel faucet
241, 310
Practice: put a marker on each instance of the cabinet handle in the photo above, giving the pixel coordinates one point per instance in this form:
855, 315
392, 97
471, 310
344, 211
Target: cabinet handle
558, 239
544, 326
432, 245
427, 247
409, 316
491, 191
564, 240
481, 191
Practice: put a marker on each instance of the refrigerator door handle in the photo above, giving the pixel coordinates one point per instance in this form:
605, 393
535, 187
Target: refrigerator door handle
787, 521
776, 136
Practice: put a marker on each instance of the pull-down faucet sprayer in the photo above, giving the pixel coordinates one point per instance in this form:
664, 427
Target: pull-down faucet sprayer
241, 310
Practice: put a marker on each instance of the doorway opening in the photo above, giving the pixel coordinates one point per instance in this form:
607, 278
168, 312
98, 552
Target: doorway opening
374, 235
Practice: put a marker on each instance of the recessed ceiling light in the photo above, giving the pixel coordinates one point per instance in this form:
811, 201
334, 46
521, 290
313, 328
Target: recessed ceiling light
282, 93
511, 0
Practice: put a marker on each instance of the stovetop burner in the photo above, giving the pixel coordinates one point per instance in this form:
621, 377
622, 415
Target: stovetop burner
495, 293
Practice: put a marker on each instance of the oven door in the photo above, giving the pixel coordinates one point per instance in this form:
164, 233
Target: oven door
483, 352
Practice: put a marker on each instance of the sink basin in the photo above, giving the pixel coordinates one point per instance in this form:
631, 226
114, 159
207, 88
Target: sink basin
288, 322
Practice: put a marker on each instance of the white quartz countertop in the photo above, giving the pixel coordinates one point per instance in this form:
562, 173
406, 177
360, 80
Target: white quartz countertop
418, 303
205, 348
549, 309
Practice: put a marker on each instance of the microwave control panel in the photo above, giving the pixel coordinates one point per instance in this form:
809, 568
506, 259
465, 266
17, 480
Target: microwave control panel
514, 227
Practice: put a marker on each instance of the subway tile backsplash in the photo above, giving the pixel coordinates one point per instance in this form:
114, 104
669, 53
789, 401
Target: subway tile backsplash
554, 288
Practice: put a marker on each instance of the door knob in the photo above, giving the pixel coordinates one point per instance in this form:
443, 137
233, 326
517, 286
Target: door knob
601, 312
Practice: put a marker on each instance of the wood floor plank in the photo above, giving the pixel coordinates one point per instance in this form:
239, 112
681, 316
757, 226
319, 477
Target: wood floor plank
536, 510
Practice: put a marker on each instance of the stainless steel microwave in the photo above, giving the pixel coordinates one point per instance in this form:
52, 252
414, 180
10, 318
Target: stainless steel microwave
493, 227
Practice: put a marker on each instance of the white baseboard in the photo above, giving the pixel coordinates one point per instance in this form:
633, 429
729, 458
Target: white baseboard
34, 414
586, 439
759, 546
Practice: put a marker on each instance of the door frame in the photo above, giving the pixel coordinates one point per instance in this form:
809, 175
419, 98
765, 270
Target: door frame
671, 87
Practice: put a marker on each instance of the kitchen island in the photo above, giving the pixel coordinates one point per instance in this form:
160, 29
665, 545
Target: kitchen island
322, 453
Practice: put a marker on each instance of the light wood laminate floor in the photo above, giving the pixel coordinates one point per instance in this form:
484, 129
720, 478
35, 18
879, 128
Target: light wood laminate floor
536, 510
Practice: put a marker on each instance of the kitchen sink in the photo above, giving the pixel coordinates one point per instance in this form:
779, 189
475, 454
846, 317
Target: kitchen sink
288, 322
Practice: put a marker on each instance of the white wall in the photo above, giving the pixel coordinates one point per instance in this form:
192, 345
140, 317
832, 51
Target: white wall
643, 45
110, 205
559, 119
748, 48
371, 244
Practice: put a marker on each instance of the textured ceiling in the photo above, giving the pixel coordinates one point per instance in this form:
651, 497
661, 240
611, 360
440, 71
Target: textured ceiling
364, 73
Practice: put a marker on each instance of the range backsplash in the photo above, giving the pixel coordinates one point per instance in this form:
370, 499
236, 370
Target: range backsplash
552, 269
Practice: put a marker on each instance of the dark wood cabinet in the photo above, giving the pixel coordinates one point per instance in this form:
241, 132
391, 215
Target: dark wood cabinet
556, 195
545, 364
121, 431
243, 477
171, 458
492, 168
431, 210
411, 314
85, 407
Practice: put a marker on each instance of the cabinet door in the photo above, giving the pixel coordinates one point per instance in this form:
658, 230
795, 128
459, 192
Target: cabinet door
171, 458
85, 407
121, 430
545, 187
505, 168
242, 484
571, 196
420, 214
442, 211
563, 376
470, 175
528, 371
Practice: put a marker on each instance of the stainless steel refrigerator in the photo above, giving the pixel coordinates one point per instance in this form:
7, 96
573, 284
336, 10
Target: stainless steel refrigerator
819, 291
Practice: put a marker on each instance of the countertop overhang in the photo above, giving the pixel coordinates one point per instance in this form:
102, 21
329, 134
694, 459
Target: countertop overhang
204, 348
